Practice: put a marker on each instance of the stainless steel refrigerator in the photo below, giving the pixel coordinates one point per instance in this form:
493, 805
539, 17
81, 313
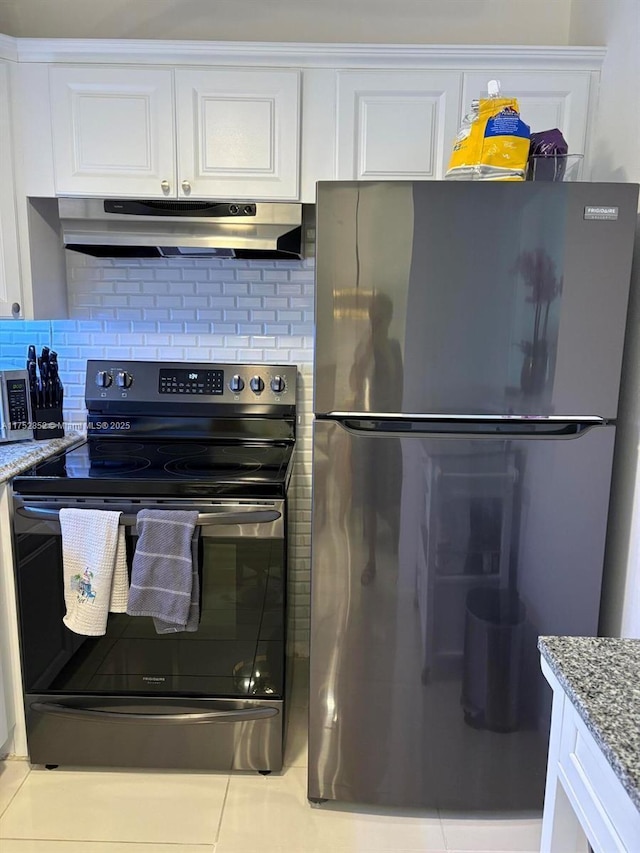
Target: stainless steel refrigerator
469, 340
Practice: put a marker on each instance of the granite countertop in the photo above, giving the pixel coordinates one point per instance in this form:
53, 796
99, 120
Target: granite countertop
17, 456
601, 676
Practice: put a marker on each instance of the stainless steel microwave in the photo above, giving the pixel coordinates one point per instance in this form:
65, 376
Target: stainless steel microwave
15, 405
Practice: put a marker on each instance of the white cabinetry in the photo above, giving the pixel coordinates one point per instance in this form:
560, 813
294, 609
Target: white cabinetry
10, 290
113, 131
32, 268
584, 796
226, 133
245, 124
238, 133
10, 669
4, 722
400, 125
396, 125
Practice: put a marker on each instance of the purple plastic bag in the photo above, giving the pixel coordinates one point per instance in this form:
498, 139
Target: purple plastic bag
547, 156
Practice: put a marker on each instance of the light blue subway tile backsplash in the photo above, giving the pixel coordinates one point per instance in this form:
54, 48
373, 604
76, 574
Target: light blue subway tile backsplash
161, 308
188, 310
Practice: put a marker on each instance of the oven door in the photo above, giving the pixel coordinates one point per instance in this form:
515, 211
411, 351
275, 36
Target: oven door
208, 699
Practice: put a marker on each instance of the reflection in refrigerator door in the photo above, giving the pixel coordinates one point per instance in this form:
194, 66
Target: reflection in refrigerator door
467, 540
492, 658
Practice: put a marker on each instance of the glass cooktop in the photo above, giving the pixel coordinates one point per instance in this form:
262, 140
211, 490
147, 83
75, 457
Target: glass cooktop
163, 468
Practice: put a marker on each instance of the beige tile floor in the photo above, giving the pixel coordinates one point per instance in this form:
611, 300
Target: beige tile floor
90, 811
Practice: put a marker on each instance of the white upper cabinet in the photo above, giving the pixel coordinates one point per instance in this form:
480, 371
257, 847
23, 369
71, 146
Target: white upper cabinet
237, 130
396, 125
547, 99
228, 133
10, 287
238, 133
113, 131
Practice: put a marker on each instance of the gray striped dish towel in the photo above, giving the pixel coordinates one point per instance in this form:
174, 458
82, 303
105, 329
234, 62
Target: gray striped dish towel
164, 571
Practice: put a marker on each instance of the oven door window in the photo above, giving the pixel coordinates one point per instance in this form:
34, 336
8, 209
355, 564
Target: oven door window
238, 649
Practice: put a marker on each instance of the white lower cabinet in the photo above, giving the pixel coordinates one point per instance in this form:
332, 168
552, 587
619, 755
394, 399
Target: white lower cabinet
13, 730
4, 722
396, 125
585, 799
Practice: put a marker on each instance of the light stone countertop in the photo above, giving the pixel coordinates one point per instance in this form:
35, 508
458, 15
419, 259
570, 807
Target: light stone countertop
17, 456
601, 677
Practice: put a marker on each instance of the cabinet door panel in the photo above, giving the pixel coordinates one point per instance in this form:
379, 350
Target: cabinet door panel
113, 131
9, 264
396, 125
547, 99
238, 133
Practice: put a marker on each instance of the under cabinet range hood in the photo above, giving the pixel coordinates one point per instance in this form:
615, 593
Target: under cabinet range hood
112, 228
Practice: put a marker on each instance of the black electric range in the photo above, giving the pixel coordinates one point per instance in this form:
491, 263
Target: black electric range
162, 429
217, 439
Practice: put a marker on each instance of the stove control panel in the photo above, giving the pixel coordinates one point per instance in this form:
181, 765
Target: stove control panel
131, 382
190, 381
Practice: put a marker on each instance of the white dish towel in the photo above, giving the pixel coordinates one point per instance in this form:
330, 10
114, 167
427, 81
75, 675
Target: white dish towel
95, 569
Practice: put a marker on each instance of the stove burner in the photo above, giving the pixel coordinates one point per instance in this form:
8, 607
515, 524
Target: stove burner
194, 467
232, 451
109, 448
108, 465
182, 450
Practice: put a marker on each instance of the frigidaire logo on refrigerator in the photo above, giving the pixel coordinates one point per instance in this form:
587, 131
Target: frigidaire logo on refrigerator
600, 212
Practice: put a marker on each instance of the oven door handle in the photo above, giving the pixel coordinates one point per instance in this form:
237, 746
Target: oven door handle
243, 517
206, 519
238, 715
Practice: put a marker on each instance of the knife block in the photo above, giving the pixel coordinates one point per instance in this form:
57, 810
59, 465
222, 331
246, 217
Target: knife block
47, 423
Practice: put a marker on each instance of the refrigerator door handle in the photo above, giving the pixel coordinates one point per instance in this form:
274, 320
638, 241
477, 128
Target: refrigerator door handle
465, 426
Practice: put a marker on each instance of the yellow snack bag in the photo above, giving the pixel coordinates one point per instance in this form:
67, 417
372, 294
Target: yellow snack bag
492, 144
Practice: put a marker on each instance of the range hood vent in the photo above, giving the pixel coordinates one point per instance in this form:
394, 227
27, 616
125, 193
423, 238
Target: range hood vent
116, 228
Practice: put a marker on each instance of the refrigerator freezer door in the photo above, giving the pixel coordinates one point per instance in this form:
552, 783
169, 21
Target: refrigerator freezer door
475, 298
436, 564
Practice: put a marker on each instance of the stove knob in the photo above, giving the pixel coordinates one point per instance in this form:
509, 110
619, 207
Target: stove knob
257, 385
124, 379
236, 383
103, 379
277, 384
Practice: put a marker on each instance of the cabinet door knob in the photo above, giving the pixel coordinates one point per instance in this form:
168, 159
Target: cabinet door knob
186, 186
166, 186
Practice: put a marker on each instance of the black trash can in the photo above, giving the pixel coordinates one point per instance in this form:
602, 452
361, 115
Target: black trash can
494, 621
